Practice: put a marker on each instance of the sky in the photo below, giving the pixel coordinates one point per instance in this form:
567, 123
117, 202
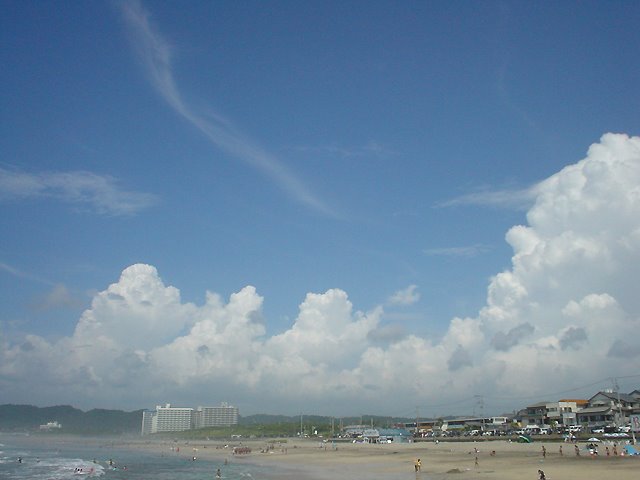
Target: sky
334, 208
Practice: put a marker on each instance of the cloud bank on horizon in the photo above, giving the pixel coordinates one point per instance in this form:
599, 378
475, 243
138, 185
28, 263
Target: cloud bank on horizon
562, 315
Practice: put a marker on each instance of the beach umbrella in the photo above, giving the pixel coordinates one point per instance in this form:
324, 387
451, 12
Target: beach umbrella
524, 439
593, 439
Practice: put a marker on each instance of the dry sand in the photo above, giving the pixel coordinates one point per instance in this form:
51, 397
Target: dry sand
312, 460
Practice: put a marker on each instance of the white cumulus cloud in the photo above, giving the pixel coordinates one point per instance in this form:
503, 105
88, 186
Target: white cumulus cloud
564, 314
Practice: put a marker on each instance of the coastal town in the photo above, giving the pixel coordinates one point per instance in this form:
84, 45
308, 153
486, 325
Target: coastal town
609, 413
571, 439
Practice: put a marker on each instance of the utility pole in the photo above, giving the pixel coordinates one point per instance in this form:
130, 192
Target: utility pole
301, 435
620, 420
481, 405
417, 421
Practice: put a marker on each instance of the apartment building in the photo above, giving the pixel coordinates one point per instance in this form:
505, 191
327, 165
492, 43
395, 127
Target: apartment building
177, 419
167, 419
148, 417
172, 419
223, 415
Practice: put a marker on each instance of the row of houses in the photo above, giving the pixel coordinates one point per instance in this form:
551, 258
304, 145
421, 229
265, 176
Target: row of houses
606, 408
177, 419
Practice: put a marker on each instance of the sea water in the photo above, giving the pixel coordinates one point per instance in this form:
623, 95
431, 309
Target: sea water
34, 458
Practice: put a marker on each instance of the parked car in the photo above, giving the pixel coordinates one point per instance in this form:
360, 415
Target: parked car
616, 435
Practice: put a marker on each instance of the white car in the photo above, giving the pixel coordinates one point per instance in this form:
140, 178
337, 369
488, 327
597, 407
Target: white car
616, 435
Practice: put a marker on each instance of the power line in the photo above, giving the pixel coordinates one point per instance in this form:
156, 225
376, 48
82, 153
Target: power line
473, 400
538, 395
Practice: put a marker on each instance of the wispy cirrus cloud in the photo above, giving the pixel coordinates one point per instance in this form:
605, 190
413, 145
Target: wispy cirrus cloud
368, 150
100, 193
466, 251
514, 199
406, 296
16, 272
155, 54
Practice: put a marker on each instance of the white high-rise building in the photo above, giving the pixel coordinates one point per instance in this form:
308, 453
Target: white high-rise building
172, 419
167, 419
148, 417
224, 415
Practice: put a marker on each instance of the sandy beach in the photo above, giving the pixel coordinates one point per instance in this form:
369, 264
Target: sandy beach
496, 460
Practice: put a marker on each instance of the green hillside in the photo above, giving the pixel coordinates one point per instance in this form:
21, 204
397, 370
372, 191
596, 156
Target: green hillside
21, 418
73, 420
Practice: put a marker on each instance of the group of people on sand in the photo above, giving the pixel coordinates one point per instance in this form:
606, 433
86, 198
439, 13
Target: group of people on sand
241, 450
592, 448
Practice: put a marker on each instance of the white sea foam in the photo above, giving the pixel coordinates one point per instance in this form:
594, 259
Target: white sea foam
57, 468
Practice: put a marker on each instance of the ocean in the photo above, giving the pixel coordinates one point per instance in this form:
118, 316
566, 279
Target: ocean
37, 457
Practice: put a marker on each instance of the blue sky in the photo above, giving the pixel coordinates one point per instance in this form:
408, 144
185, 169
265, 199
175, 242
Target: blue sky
376, 149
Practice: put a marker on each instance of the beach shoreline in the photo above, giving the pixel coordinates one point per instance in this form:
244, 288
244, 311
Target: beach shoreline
314, 459
495, 460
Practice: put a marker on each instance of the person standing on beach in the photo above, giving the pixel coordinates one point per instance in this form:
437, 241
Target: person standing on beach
577, 450
544, 452
418, 465
560, 450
